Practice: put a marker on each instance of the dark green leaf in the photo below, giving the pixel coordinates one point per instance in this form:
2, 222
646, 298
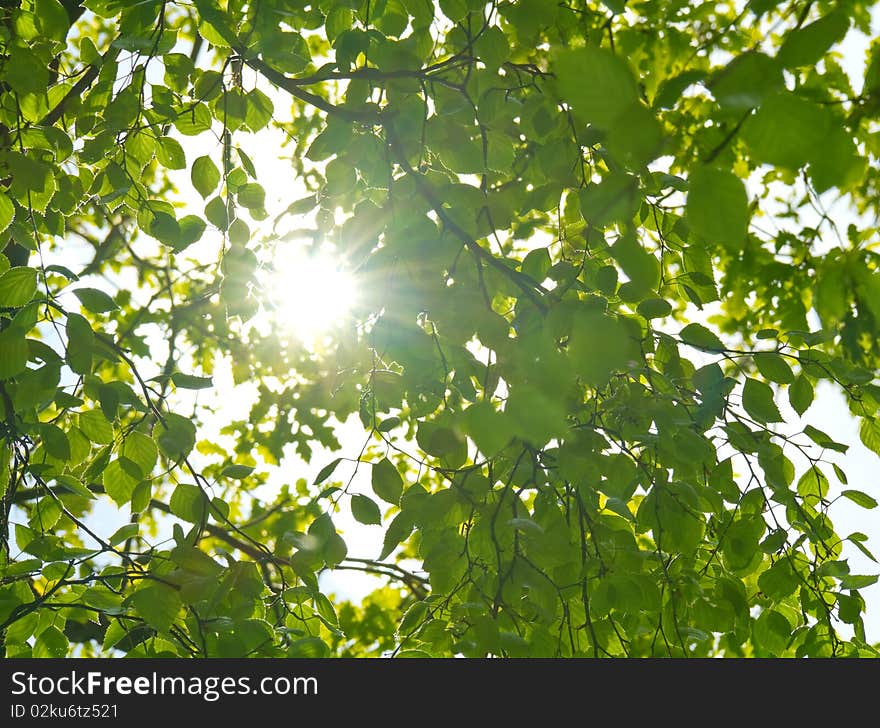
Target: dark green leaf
365, 510
758, 401
386, 481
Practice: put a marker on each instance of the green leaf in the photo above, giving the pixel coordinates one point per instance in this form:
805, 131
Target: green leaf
80, 338
869, 434
700, 337
170, 154
96, 427
813, 483
95, 300
334, 550
176, 437
398, 530
653, 308
52, 18
807, 45
326, 471
771, 631
119, 483
823, 440
412, 617
14, 353
746, 81
718, 207
55, 441
758, 401
386, 481
158, 604
75, 486
217, 214
191, 227
189, 503
641, 267
774, 368
140, 450
860, 498
238, 472
251, 195
129, 530
205, 176
787, 130
365, 510
779, 580
614, 199
800, 395
489, 429
597, 83
51, 642
17, 286
189, 381
7, 211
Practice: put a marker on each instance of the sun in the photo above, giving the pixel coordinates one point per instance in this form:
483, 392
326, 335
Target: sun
310, 293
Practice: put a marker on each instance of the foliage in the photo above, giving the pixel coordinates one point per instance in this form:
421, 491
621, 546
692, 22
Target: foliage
598, 286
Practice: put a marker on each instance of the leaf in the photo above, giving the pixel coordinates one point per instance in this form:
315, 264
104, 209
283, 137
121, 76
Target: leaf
800, 395
170, 154
176, 437
51, 642
326, 471
118, 482
398, 530
640, 266
55, 441
13, 353
129, 530
217, 214
189, 503
80, 338
96, 427
140, 450
251, 195
365, 510
771, 631
774, 368
787, 130
597, 83
860, 498
17, 286
205, 176
191, 228
718, 207
189, 381
823, 440
95, 300
412, 617
807, 45
758, 401
813, 483
158, 604
700, 337
7, 211
334, 550
869, 434
746, 81
654, 308
386, 481
238, 472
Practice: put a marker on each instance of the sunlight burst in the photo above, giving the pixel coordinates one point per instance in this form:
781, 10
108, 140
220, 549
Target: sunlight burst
310, 293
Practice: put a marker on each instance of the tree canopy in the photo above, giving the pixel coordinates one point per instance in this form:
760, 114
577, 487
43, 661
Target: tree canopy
602, 256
